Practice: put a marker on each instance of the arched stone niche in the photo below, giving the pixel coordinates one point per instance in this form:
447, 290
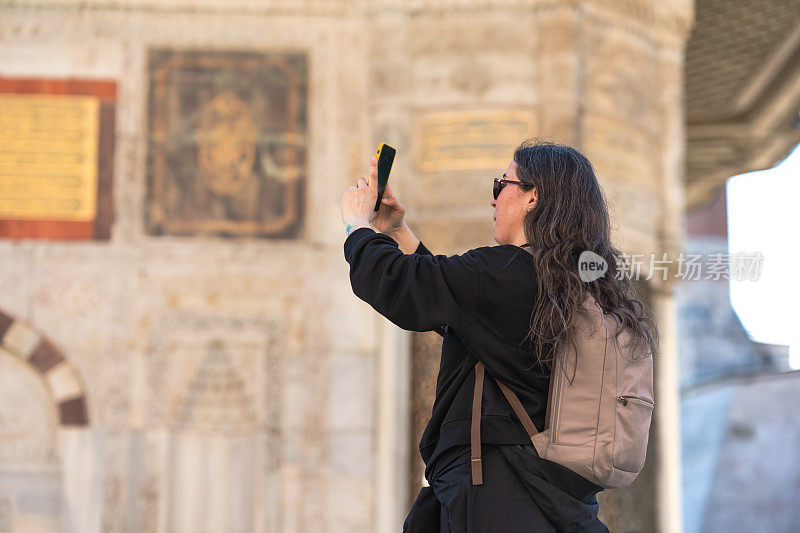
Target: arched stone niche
66, 392
40, 394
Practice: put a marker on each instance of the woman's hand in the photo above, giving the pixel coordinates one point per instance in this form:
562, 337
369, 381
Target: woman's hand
390, 214
358, 202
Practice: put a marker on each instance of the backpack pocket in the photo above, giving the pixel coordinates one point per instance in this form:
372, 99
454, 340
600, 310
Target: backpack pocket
631, 430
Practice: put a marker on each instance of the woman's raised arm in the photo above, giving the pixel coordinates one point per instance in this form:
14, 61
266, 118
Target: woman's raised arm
406, 239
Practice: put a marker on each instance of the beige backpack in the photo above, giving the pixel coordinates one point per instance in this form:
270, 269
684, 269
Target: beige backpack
598, 422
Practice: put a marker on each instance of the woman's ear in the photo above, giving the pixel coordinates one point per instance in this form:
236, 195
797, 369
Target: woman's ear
533, 198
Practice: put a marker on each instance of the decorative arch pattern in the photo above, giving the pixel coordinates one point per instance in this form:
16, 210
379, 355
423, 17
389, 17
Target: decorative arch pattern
20, 341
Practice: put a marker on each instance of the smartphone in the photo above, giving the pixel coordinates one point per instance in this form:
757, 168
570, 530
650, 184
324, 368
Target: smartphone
385, 157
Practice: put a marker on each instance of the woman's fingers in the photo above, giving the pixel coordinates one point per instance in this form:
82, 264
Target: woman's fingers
387, 193
373, 169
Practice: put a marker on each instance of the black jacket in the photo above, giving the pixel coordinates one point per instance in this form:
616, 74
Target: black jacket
481, 303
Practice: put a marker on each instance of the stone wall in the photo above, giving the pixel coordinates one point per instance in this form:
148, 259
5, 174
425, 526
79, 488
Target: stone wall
741, 467
230, 379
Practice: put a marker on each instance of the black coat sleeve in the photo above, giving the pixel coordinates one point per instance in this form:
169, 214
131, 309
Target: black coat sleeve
417, 292
423, 250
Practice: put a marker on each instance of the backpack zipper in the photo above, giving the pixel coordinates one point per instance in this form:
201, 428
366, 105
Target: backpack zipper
556, 404
624, 400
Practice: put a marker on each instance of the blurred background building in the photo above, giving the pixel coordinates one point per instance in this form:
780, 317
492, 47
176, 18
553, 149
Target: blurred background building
180, 350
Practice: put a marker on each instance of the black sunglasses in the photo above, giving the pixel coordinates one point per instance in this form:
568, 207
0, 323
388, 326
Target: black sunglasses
499, 183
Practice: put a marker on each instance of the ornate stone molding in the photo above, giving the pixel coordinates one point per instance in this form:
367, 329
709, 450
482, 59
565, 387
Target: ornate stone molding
677, 13
63, 383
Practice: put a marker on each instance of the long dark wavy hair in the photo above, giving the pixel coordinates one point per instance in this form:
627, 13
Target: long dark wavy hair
570, 216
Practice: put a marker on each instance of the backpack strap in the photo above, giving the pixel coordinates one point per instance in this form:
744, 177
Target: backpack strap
517, 406
475, 428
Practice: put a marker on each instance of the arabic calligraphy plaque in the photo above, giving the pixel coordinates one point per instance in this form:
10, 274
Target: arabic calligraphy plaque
56, 153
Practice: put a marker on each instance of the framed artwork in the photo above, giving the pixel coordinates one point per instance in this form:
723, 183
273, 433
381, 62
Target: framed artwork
227, 143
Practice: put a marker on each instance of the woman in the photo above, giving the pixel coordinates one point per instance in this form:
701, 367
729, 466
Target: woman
506, 306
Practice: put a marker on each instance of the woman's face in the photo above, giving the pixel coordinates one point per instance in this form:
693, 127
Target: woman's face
510, 208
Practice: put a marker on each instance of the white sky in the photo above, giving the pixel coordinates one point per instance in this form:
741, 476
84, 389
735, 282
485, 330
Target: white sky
764, 215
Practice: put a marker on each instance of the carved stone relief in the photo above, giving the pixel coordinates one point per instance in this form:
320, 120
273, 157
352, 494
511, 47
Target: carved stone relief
215, 373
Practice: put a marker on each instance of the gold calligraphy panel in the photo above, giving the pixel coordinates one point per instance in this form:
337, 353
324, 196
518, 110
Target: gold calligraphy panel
227, 147
466, 140
48, 156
